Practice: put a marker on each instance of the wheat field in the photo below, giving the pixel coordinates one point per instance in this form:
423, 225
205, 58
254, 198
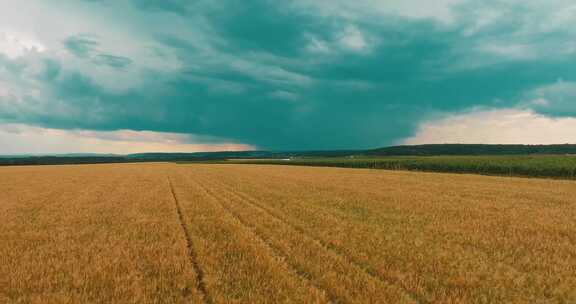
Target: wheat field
169, 233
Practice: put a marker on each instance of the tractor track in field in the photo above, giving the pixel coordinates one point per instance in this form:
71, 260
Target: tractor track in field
330, 248
273, 250
192, 256
471, 246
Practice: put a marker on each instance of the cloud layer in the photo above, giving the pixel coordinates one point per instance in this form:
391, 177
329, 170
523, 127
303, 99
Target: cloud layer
298, 74
506, 126
24, 139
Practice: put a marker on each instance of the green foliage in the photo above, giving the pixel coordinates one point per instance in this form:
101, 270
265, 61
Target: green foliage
533, 166
473, 149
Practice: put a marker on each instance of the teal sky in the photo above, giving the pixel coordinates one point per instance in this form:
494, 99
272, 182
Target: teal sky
183, 75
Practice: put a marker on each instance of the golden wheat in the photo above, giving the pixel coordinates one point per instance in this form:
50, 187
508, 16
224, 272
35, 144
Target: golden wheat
153, 233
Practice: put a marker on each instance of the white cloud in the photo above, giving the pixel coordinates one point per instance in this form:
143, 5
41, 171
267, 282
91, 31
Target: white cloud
4, 91
317, 45
14, 45
561, 89
439, 10
28, 32
349, 39
268, 73
495, 32
353, 39
284, 95
482, 20
541, 102
559, 97
511, 51
506, 126
25, 139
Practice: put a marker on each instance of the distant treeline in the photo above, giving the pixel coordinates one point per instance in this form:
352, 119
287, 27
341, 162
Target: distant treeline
59, 160
161, 157
476, 149
420, 150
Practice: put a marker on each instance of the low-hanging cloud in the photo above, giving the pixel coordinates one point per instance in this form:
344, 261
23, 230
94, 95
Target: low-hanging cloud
17, 139
504, 126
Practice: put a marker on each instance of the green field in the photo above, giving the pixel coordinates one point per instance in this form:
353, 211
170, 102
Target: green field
552, 166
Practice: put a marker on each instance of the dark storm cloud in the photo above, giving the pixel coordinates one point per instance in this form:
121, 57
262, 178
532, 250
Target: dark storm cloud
277, 76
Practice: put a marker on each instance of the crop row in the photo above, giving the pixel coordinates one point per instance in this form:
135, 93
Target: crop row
532, 166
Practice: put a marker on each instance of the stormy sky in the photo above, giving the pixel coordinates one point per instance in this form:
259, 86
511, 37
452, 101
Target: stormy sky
122, 76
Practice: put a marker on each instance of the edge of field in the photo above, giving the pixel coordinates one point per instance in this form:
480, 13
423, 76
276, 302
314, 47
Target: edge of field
525, 166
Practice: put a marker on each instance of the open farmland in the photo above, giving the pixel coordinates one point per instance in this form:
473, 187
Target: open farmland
548, 166
201, 233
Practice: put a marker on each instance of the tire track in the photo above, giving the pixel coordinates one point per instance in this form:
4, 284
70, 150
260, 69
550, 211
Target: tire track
329, 247
474, 248
193, 258
273, 250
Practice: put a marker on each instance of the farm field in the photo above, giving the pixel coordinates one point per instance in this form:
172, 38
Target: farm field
548, 166
232, 233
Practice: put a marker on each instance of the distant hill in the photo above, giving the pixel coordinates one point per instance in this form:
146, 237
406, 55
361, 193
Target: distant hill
418, 150
198, 155
160, 157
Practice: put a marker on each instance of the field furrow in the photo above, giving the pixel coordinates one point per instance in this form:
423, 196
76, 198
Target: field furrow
274, 251
343, 276
237, 267
200, 286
